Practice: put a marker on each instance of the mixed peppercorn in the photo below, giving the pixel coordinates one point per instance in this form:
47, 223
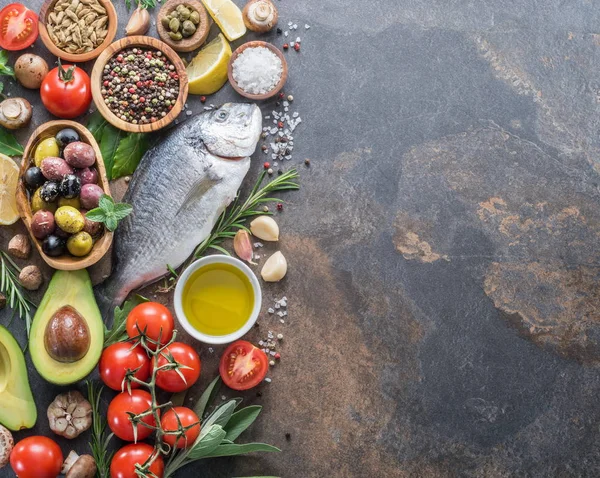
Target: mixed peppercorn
140, 85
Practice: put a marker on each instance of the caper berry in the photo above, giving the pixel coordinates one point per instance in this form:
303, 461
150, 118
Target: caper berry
195, 17
174, 25
184, 14
175, 36
166, 20
188, 29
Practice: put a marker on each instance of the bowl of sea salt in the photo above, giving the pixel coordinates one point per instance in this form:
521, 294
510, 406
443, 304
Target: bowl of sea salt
257, 70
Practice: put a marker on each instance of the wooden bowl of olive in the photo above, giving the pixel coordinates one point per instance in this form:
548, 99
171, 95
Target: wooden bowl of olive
183, 24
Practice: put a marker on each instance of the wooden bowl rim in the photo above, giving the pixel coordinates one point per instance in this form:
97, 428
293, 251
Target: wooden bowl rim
138, 40
101, 247
196, 40
254, 44
78, 57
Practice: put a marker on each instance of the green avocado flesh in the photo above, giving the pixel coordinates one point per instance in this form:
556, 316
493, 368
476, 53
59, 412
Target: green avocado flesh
74, 289
17, 408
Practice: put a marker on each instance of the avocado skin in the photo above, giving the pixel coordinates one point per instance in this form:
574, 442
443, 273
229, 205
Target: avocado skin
17, 409
73, 288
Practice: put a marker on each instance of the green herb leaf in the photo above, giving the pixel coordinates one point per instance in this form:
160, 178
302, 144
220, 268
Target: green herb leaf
122, 210
111, 222
128, 154
4, 69
9, 145
117, 332
100, 439
207, 397
241, 420
12, 289
178, 399
96, 215
240, 449
96, 124
207, 443
220, 416
106, 203
109, 143
1, 87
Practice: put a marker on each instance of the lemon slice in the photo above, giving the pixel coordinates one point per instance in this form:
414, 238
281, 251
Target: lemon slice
228, 16
9, 176
207, 72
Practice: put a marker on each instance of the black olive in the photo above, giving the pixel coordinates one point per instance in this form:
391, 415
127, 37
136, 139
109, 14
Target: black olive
53, 246
70, 186
50, 191
61, 234
66, 136
34, 178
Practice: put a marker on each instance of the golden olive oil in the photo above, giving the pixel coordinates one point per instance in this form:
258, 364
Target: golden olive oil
218, 299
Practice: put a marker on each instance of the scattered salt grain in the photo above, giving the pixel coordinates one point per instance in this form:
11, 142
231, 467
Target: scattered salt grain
306, 26
189, 113
257, 70
268, 380
211, 350
272, 363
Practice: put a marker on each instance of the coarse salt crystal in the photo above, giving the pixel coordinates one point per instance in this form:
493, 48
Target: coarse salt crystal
257, 70
271, 310
306, 26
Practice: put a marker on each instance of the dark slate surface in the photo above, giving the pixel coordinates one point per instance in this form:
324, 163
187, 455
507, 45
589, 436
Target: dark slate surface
443, 249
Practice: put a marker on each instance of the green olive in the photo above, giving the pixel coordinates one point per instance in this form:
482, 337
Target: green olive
69, 219
37, 203
174, 25
195, 17
74, 202
175, 36
80, 244
166, 20
188, 29
48, 147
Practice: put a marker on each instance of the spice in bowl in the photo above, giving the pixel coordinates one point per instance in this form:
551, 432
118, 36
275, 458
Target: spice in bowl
77, 26
182, 22
257, 70
140, 85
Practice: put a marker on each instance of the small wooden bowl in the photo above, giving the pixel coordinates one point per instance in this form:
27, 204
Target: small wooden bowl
112, 50
186, 44
80, 57
47, 130
254, 44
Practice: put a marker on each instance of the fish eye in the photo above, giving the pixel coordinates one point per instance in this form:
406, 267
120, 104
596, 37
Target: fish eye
222, 115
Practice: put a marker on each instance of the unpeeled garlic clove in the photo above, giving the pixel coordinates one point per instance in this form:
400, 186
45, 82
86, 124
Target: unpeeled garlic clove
243, 246
265, 228
139, 23
275, 268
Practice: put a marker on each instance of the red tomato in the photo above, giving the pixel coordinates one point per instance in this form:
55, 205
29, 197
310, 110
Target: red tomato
118, 420
154, 320
36, 457
117, 359
124, 461
66, 91
187, 418
18, 27
170, 380
243, 365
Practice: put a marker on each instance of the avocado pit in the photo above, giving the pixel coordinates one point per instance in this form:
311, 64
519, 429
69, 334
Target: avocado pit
67, 336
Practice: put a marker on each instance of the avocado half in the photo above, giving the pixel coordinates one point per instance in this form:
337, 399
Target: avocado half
17, 409
72, 291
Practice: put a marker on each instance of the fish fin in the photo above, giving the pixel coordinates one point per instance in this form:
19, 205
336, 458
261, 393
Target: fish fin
199, 189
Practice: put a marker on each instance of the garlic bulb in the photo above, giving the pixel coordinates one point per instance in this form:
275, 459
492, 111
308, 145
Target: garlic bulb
275, 268
265, 228
260, 15
243, 246
139, 23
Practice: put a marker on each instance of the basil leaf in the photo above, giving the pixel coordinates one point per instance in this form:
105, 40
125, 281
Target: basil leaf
240, 449
96, 215
117, 332
129, 153
109, 143
106, 203
111, 222
9, 145
241, 420
208, 396
122, 210
207, 444
96, 124
3, 57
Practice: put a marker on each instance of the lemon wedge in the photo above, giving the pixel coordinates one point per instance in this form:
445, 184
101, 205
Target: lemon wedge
228, 16
9, 177
207, 72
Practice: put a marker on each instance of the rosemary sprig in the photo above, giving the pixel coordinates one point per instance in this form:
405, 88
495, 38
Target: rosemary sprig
234, 217
142, 3
100, 439
11, 288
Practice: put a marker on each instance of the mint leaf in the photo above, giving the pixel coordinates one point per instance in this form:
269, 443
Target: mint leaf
111, 222
9, 145
106, 203
122, 210
128, 154
96, 215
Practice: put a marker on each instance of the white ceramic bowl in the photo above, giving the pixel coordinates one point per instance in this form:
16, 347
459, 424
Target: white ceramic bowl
217, 339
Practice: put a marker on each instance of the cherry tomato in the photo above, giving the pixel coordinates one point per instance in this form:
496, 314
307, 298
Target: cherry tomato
243, 365
124, 461
118, 420
170, 423
36, 457
18, 27
154, 320
66, 91
117, 358
170, 380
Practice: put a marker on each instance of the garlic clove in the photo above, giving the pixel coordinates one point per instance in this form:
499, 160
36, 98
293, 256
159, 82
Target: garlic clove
265, 228
243, 246
139, 22
275, 268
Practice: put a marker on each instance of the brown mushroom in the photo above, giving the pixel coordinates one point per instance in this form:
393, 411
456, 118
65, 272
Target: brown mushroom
70, 414
30, 70
31, 277
19, 246
6, 445
260, 15
76, 466
15, 113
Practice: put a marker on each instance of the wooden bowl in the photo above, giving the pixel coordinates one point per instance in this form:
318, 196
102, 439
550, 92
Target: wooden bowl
101, 246
80, 57
254, 44
112, 50
186, 44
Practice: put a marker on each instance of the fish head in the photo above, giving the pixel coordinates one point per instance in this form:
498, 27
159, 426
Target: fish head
231, 131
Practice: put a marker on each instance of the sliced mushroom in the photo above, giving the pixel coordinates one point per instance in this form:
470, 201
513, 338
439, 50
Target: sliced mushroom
76, 466
6, 445
15, 113
70, 414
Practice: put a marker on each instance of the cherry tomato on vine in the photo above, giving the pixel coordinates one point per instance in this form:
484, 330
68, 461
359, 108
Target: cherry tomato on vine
66, 91
117, 358
124, 461
36, 457
154, 320
183, 354
170, 423
118, 420
243, 365
18, 27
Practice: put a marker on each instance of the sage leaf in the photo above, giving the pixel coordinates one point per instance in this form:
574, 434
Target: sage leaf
9, 145
207, 444
128, 154
220, 416
241, 420
207, 396
109, 143
178, 399
240, 449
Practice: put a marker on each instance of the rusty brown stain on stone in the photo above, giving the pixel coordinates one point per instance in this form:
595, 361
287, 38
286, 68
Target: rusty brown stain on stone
348, 160
410, 244
491, 207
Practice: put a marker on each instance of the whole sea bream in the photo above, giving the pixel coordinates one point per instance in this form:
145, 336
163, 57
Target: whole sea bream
178, 191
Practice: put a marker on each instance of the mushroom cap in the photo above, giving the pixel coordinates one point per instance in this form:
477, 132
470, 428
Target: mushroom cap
84, 467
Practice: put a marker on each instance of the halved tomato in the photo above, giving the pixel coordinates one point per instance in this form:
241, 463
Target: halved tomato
243, 365
18, 27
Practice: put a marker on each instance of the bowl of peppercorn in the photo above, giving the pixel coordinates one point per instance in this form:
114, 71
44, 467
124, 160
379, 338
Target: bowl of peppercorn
139, 84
